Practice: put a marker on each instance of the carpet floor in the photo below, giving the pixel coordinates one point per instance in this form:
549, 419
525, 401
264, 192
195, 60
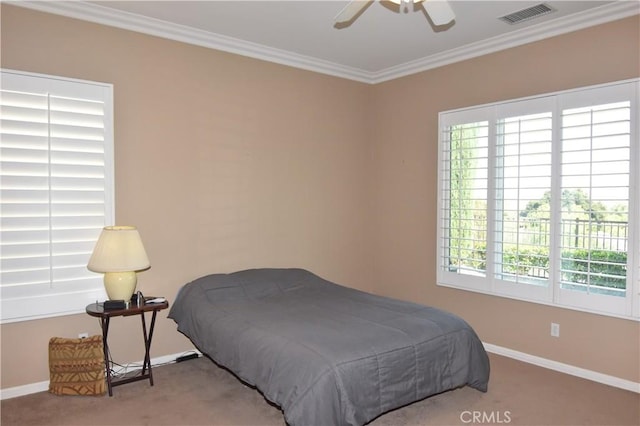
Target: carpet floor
198, 392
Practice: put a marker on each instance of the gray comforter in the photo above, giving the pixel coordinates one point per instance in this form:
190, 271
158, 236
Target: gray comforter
327, 354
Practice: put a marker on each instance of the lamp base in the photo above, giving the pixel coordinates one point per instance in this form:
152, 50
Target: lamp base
120, 285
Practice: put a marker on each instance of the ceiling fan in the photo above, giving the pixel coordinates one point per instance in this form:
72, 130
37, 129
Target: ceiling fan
439, 11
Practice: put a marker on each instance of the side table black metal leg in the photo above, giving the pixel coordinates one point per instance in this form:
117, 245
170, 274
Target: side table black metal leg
105, 349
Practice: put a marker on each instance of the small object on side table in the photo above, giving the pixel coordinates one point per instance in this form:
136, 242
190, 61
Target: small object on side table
105, 315
110, 305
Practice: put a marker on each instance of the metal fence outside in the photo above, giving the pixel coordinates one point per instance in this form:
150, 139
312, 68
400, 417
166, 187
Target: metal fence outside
577, 234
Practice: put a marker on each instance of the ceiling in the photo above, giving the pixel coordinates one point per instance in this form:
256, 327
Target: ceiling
381, 44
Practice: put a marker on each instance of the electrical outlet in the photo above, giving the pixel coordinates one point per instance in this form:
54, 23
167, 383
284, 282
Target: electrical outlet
555, 329
83, 335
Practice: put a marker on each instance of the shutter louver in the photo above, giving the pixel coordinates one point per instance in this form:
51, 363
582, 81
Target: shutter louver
596, 160
523, 177
465, 184
55, 187
562, 209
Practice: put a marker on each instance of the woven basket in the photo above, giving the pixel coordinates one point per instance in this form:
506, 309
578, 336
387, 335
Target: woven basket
76, 366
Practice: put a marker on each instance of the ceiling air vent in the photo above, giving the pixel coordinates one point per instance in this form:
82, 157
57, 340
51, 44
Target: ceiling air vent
528, 13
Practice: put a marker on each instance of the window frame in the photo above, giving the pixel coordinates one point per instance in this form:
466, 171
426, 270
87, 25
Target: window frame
57, 300
627, 307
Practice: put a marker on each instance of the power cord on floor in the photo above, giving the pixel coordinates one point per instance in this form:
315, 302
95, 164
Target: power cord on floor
119, 370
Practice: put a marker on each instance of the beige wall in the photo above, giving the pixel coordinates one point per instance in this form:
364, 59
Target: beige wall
226, 162
223, 162
405, 161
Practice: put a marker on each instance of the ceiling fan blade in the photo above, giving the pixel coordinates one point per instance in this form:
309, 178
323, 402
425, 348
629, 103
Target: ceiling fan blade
439, 11
351, 10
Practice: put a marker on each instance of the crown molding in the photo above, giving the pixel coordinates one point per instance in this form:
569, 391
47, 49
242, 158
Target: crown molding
133, 22
156, 27
552, 28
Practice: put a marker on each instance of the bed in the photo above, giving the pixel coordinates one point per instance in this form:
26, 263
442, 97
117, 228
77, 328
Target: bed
324, 353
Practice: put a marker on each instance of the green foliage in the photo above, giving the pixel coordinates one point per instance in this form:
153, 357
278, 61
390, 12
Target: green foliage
606, 268
478, 256
575, 205
522, 261
463, 144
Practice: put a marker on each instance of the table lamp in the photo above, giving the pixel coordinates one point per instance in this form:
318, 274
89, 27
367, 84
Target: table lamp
119, 253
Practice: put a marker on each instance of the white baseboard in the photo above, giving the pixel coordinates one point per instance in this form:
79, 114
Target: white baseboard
24, 390
564, 368
498, 350
44, 386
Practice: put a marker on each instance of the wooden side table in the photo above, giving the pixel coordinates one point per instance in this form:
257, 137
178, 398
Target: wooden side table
97, 310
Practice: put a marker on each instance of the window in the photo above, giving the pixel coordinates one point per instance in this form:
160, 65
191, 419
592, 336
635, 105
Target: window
56, 142
538, 199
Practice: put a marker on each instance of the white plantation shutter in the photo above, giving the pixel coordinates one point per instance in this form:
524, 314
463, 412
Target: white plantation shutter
538, 199
56, 191
466, 226
524, 139
463, 185
596, 160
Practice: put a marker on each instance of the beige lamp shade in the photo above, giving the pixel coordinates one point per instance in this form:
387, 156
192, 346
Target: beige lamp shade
118, 253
